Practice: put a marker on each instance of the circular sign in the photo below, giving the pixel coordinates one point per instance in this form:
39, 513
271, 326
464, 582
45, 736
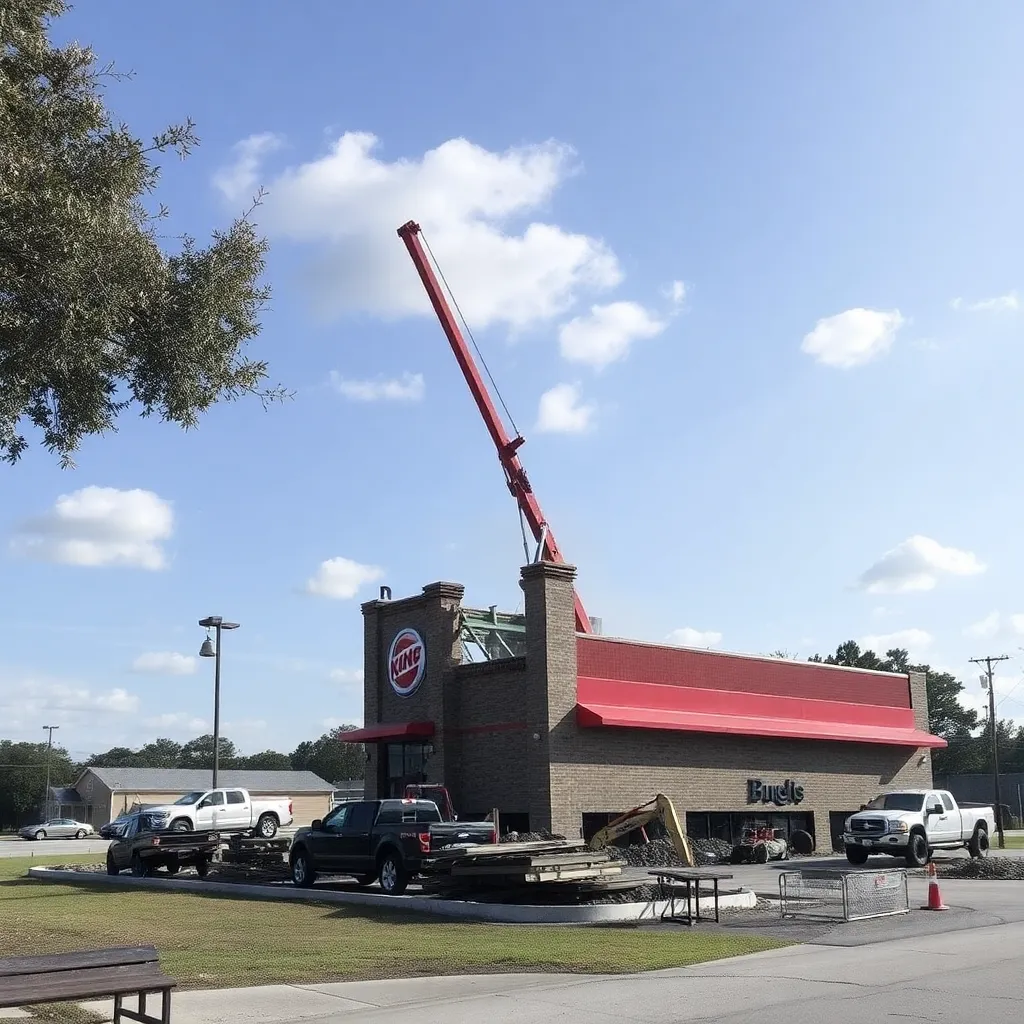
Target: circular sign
407, 660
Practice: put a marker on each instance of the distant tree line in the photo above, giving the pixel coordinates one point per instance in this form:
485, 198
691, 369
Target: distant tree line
23, 765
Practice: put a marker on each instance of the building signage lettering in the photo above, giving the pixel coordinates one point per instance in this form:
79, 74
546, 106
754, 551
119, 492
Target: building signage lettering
761, 792
407, 661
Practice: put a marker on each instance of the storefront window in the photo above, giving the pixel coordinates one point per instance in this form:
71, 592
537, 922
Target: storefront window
406, 762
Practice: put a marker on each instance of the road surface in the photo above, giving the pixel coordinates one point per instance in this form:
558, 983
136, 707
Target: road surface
945, 977
51, 847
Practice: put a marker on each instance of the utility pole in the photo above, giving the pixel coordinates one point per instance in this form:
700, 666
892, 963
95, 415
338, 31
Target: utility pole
49, 748
988, 662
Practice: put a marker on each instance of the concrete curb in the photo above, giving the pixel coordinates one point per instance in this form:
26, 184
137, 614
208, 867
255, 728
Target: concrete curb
496, 913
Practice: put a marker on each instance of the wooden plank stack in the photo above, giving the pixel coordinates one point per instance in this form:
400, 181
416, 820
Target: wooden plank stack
554, 871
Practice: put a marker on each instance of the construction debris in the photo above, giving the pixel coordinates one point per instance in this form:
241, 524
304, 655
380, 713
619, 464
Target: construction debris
991, 869
254, 859
660, 853
530, 837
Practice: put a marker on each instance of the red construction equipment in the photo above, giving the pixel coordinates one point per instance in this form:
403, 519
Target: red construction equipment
934, 896
515, 475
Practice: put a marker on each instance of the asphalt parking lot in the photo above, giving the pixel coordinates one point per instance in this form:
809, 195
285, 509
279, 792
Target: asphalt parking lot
12, 846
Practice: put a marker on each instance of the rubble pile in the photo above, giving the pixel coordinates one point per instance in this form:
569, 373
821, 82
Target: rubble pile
992, 869
711, 851
531, 837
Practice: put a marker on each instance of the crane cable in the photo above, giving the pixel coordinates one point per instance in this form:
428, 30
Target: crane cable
454, 301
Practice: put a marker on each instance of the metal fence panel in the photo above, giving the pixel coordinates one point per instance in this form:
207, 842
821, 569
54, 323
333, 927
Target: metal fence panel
843, 895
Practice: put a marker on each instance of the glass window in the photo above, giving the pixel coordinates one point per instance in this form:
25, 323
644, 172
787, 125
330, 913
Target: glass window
947, 801
427, 814
389, 815
188, 798
236, 796
336, 821
360, 818
396, 768
897, 802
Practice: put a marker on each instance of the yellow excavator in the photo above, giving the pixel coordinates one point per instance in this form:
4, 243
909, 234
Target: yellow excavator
659, 809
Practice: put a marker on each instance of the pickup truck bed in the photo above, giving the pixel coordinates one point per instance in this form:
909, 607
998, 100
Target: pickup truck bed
385, 840
143, 849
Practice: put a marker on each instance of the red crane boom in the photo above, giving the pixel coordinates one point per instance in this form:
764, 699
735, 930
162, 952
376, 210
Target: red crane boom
507, 447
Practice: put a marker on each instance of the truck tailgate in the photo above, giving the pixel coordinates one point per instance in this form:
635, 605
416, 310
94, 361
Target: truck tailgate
455, 833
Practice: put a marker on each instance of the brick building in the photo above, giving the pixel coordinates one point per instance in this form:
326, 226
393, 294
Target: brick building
560, 730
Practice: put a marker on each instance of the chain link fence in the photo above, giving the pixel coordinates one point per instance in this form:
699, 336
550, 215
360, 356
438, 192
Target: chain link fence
843, 895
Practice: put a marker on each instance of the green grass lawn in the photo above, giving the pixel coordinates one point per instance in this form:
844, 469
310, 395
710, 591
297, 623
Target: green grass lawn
216, 941
1012, 842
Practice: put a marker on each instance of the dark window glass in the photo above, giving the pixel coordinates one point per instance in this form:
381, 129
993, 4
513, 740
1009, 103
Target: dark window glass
427, 814
390, 814
360, 818
236, 796
697, 826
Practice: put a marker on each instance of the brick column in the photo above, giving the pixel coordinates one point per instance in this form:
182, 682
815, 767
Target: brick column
550, 695
921, 774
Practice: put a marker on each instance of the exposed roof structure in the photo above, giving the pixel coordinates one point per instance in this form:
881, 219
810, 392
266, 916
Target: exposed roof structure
185, 780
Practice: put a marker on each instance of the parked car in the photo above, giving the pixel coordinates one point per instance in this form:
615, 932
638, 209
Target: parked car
115, 827
385, 840
143, 846
224, 810
57, 828
912, 823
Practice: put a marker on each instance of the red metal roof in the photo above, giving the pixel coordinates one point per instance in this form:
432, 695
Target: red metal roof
601, 658
382, 731
638, 705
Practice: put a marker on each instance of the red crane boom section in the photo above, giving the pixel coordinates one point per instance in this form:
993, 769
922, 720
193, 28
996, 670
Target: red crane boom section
515, 475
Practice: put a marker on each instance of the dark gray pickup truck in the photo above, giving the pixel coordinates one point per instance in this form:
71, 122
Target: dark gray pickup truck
385, 840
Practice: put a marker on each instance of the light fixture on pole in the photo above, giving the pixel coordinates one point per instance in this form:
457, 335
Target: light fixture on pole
208, 650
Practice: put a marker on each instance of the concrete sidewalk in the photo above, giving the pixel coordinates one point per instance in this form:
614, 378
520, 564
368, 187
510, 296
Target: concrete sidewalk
936, 977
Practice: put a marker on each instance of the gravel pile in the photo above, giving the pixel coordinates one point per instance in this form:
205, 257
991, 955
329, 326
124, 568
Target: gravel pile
660, 853
531, 837
993, 868
83, 869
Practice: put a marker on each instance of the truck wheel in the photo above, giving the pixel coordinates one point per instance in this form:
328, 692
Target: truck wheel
202, 867
172, 869
978, 846
303, 872
112, 868
365, 879
140, 869
266, 827
917, 850
393, 876
761, 853
857, 855
181, 825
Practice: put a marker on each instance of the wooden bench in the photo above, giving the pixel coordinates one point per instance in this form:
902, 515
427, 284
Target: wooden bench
71, 977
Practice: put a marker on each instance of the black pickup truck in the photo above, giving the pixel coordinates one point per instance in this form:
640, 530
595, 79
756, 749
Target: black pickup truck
379, 839
143, 847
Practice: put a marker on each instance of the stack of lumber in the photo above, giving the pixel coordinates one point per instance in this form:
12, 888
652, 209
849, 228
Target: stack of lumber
256, 859
544, 872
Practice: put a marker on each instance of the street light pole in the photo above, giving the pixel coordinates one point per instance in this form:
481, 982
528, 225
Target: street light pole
987, 662
216, 623
49, 749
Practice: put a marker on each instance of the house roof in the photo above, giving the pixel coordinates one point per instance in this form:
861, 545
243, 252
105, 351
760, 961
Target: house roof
185, 780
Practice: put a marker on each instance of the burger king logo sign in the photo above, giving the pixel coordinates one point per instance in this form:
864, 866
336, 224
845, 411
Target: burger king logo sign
407, 660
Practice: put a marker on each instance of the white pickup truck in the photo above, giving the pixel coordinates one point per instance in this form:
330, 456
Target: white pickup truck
912, 823
224, 810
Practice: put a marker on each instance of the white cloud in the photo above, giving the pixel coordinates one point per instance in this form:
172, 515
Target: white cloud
98, 526
917, 564
605, 334
676, 293
984, 629
852, 338
180, 723
347, 676
687, 636
469, 201
341, 578
562, 412
165, 663
409, 388
28, 699
239, 181
1008, 303
914, 641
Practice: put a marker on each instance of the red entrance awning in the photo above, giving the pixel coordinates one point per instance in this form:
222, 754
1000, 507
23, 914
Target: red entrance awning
384, 731
607, 702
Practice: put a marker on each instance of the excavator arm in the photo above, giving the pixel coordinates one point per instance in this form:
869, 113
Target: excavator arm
659, 809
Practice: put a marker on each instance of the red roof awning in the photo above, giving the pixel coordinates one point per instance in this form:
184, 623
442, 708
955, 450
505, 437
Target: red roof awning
609, 702
382, 731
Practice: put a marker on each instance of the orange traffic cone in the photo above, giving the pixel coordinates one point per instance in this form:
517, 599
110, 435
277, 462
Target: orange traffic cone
934, 896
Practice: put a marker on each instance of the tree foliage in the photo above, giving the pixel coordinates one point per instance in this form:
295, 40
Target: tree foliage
23, 779
94, 315
331, 758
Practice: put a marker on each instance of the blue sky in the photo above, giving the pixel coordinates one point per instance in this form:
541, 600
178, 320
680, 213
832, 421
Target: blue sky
762, 262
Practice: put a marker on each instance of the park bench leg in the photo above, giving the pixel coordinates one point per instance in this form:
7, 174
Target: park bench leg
142, 1004
117, 1009
165, 1009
